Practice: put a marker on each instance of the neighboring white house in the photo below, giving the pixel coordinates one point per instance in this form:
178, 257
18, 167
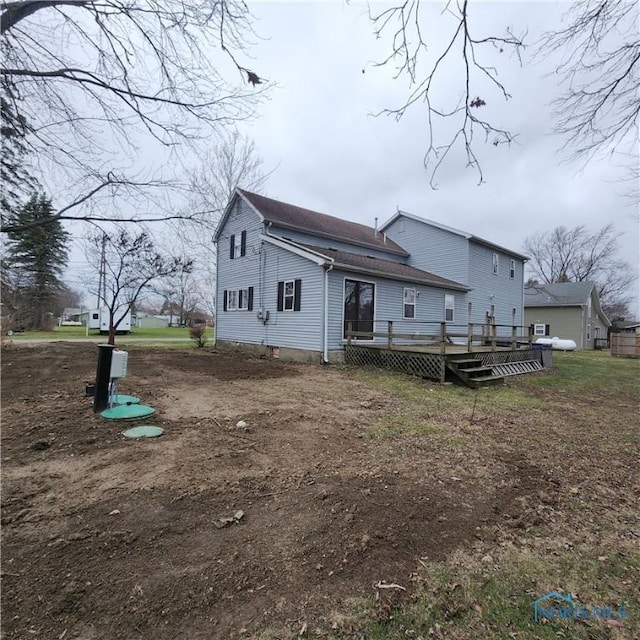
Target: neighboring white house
291, 278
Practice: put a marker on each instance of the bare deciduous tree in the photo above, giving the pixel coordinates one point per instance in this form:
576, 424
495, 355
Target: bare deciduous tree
232, 163
577, 255
131, 264
93, 78
599, 71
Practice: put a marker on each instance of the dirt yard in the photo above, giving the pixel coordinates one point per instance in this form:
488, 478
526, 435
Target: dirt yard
105, 537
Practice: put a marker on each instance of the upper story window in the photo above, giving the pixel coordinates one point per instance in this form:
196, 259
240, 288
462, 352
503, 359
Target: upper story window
496, 263
449, 307
512, 269
238, 245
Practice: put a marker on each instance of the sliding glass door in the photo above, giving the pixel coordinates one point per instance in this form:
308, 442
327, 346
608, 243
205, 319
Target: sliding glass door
359, 303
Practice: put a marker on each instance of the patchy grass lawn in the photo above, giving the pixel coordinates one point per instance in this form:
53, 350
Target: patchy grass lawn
71, 333
578, 423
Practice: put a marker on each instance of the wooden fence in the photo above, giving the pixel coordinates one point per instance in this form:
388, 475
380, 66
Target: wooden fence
445, 336
625, 345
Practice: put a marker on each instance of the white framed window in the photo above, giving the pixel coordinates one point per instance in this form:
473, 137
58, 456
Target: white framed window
496, 264
539, 329
232, 300
237, 246
243, 299
512, 269
289, 294
449, 307
409, 303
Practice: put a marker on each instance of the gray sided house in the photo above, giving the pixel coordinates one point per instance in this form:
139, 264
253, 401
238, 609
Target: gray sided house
292, 281
569, 310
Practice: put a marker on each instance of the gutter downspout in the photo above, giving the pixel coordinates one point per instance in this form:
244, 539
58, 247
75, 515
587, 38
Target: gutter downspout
325, 354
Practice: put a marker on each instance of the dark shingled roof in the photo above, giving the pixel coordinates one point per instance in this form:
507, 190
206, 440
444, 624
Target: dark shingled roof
558, 294
385, 268
289, 216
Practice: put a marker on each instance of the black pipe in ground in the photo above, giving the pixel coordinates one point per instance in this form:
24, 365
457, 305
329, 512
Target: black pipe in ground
103, 377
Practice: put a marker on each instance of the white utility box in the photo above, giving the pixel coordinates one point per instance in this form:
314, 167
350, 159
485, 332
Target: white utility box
119, 361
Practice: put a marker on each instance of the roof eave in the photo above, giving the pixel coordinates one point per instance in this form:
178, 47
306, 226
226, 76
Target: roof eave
236, 194
393, 276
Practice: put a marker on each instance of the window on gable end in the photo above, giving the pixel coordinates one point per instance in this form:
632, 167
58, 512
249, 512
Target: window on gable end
496, 263
512, 269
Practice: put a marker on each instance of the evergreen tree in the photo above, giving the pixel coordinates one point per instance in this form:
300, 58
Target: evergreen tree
15, 176
37, 256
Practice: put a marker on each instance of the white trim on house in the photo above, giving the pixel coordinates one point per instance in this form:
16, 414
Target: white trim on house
297, 249
433, 223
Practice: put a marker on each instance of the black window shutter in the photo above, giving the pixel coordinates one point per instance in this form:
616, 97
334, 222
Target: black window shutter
232, 246
296, 295
243, 243
281, 295
224, 301
546, 329
250, 301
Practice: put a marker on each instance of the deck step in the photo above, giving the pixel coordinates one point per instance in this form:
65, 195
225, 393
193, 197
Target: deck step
477, 369
459, 361
485, 381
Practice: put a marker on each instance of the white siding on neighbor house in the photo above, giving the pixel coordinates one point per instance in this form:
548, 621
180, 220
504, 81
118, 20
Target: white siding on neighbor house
319, 241
435, 250
499, 290
388, 305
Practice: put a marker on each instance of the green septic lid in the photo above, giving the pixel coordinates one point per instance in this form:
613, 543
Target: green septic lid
126, 400
128, 412
143, 432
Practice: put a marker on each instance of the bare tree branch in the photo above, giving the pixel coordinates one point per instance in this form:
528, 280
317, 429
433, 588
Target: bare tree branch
95, 78
408, 48
599, 73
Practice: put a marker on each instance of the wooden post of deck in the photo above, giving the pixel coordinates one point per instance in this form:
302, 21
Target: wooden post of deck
494, 335
390, 334
443, 338
470, 336
349, 330
514, 340
530, 335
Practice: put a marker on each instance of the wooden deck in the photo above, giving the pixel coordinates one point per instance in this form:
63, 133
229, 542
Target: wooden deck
486, 358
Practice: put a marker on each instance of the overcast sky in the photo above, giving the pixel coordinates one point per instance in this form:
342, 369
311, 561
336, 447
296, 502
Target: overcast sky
330, 154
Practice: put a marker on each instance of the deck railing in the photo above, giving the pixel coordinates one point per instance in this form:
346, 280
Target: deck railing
443, 335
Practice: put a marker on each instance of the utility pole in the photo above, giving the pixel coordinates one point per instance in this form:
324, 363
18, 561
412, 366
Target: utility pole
102, 276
